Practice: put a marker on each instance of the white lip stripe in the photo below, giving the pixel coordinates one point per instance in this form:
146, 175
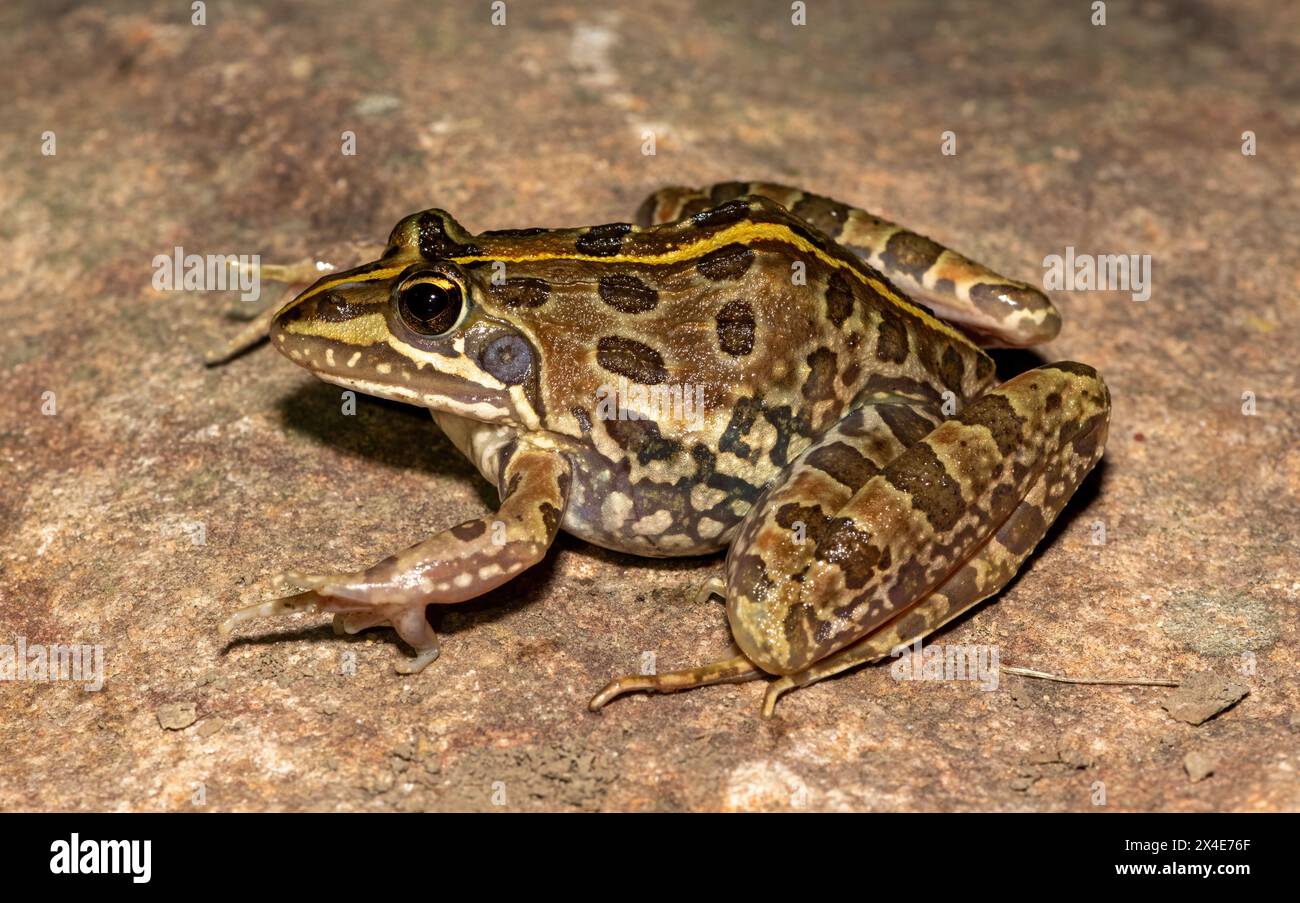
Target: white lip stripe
483, 410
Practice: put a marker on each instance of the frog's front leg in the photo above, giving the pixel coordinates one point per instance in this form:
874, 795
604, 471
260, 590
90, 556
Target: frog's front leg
457, 564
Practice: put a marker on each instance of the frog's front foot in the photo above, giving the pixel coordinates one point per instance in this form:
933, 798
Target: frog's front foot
358, 603
452, 566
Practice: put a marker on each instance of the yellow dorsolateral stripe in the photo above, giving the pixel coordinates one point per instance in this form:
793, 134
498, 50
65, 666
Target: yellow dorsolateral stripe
742, 233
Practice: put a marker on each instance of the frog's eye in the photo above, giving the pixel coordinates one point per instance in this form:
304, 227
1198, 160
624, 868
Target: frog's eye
430, 303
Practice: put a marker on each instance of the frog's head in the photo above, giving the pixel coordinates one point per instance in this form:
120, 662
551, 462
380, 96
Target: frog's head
410, 327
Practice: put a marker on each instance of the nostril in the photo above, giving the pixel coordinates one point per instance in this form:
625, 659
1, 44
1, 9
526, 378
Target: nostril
288, 315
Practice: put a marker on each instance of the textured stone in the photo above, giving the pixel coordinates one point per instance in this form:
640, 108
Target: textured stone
1123, 139
1202, 696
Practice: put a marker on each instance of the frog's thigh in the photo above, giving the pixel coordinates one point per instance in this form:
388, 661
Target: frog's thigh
1002, 311
944, 526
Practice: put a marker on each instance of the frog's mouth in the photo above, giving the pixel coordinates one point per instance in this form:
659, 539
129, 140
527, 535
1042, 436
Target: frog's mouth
452, 397
376, 368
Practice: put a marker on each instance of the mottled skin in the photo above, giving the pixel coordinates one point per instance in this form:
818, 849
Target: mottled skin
842, 441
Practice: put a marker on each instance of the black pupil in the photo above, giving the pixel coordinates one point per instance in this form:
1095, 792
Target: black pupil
430, 308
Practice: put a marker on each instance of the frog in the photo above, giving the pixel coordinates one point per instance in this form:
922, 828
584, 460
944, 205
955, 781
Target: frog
747, 367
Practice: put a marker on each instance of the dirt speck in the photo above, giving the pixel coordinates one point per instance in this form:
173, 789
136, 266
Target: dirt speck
210, 727
176, 716
1203, 696
1199, 765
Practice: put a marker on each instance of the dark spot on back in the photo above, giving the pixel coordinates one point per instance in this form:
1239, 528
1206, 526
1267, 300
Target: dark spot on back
736, 328
891, 339
603, 241
820, 384
626, 357
627, 294
728, 262
839, 299
522, 292
722, 215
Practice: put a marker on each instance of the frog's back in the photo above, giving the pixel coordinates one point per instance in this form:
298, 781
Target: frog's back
740, 301
741, 334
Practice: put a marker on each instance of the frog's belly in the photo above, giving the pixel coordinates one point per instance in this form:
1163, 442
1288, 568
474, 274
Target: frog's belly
607, 507
650, 518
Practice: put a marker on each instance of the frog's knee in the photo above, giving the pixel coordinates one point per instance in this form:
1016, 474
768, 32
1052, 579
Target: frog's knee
1087, 382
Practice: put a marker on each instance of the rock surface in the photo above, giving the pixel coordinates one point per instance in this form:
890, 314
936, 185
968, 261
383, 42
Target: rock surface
143, 496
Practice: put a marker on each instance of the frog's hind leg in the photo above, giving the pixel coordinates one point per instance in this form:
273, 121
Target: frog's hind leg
944, 526
867, 439
996, 310
297, 277
736, 669
979, 577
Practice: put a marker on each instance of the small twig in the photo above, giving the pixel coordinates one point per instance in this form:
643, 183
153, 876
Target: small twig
1114, 681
